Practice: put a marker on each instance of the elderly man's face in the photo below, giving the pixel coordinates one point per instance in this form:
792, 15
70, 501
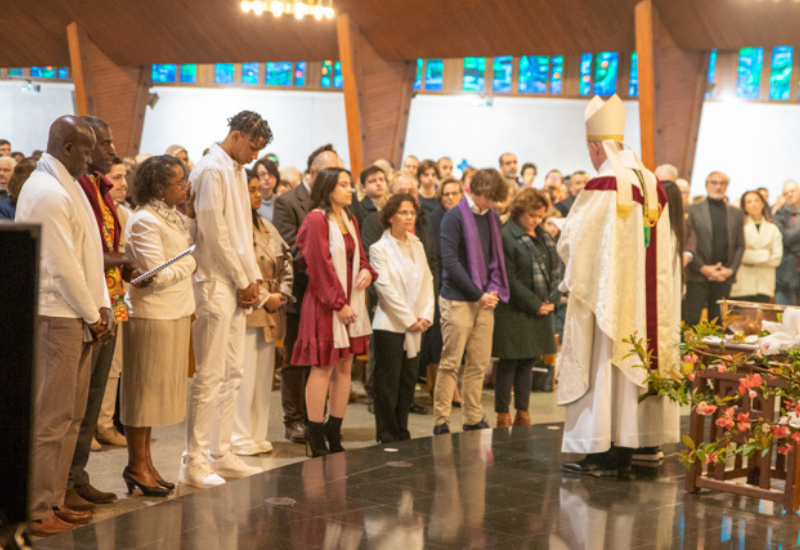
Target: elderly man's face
508, 165
791, 194
445, 167
6, 169
716, 186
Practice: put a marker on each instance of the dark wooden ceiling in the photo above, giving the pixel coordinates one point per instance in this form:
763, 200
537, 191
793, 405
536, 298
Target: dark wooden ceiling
136, 32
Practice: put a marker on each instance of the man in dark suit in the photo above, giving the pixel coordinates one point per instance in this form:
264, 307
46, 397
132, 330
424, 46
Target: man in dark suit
374, 184
577, 182
291, 209
715, 238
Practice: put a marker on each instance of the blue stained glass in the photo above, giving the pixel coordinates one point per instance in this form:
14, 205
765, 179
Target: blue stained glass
533, 73
300, 73
250, 73
223, 73
338, 79
501, 81
434, 68
605, 73
633, 85
781, 73
748, 83
188, 73
63, 72
557, 74
586, 74
418, 77
164, 73
43, 72
279, 73
474, 70
326, 73
15, 72
712, 72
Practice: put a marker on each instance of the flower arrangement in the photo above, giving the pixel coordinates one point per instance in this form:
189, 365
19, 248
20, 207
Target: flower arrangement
739, 432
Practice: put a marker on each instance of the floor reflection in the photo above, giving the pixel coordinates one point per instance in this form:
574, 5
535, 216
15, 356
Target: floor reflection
490, 489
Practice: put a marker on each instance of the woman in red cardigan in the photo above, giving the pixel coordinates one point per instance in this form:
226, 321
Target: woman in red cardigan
334, 324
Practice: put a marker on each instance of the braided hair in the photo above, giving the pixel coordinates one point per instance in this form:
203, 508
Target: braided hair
251, 124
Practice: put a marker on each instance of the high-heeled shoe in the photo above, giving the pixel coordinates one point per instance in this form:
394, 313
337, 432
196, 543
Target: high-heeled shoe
166, 484
130, 483
333, 434
315, 440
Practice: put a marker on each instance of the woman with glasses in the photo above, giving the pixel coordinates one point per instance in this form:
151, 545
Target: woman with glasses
523, 328
156, 354
404, 313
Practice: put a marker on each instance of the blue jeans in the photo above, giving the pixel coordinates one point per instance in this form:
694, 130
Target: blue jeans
787, 296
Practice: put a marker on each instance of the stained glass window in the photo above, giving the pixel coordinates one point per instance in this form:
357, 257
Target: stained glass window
586, 74
433, 74
501, 81
15, 72
43, 72
557, 74
250, 73
533, 72
418, 77
164, 73
300, 73
223, 73
63, 72
279, 73
188, 73
749, 81
633, 84
712, 72
338, 79
605, 73
474, 70
331, 74
781, 73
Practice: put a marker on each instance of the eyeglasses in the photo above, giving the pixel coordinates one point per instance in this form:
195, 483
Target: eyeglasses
406, 213
183, 184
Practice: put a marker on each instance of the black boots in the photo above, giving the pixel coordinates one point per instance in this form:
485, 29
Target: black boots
542, 377
615, 461
315, 439
333, 433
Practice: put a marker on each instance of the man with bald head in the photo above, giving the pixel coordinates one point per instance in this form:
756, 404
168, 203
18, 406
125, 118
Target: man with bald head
7, 165
787, 218
74, 315
445, 167
508, 167
291, 209
411, 164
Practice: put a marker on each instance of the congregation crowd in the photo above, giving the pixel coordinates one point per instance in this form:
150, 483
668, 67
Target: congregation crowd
429, 277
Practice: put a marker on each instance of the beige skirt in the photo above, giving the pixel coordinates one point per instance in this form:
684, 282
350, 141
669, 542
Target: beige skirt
154, 372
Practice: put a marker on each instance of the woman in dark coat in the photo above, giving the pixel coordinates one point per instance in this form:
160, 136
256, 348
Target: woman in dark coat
523, 328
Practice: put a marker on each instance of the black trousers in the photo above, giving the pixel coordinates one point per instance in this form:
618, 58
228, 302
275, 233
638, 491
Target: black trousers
102, 357
703, 295
759, 298
517, 373
293, 378
394, 382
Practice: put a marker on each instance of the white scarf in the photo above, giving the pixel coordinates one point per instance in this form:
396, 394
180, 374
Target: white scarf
412, 274
361, 326
92, 251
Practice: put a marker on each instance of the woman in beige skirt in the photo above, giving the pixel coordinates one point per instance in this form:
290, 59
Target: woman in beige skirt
156, 355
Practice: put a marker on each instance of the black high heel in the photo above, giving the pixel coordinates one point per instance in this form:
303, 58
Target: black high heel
166, 484
130, 483
333, 434
315, 440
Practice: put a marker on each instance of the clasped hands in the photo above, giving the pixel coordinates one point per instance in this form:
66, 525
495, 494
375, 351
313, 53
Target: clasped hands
717, 273
346, 314
247, 297
103, 329
489, 300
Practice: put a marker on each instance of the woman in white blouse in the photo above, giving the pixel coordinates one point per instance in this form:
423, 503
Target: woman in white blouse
405, 311
763, 250
156, 354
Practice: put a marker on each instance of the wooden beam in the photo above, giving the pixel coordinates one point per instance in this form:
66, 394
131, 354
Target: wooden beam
377, 96
672, 85
114, 93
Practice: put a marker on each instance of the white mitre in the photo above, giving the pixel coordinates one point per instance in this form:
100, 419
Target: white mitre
605, 123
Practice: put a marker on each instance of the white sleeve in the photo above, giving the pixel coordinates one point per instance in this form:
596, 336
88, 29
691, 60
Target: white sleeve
211, 225
146, 246
391, 303
54, 212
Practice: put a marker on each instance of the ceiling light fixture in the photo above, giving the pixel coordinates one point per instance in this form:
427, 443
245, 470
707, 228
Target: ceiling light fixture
318, 9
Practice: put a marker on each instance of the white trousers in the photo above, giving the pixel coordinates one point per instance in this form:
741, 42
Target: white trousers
218, 334
610, 411
251, 419
105, 421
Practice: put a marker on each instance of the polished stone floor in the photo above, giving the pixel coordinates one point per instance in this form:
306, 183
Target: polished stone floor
498, 489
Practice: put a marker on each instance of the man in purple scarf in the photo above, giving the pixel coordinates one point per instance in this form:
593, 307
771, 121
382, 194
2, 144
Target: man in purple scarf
473, 282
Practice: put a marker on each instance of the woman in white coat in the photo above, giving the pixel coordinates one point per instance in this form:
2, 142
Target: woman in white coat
763, 250
405, 311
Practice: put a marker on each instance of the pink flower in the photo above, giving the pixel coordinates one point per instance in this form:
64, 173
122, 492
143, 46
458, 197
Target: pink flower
705, 408
784, 449
765, 428
722, 368
691, 376
690, 358
780, 431
725, 423
796, 437
753, 394
712, 458
743, 426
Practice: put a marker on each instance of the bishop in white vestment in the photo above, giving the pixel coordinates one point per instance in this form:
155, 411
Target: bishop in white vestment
616, 245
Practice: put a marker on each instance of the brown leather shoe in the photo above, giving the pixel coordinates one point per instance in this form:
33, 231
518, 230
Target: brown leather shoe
72, 516
503, 420
50, 526
522, 419
87, 492
73, 501
296, 432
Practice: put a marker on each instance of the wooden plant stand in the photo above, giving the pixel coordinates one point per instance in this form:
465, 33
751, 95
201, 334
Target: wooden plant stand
721, 476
